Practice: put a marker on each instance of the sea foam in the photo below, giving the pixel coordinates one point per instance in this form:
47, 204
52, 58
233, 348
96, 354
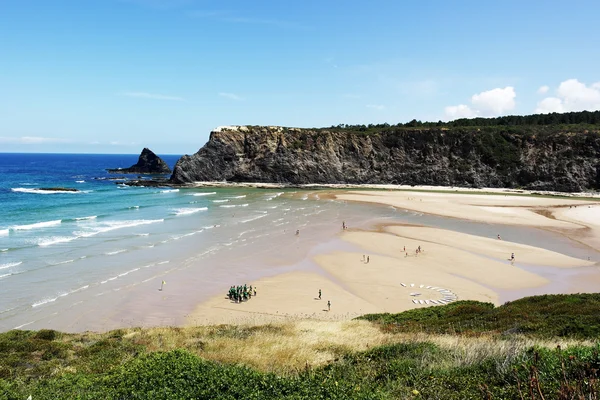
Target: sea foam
38, 191
37, 225
203, 194
188, 211
55, 240
10, 265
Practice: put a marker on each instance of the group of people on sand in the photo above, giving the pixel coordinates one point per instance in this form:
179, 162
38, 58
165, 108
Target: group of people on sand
328, 301
241, 293
417, 251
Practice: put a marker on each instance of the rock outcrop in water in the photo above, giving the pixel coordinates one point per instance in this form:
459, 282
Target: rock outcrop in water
511, 157
148, 163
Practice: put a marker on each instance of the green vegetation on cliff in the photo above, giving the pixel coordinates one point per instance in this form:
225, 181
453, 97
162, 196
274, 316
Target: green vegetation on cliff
482, 357
554, 152
576, 121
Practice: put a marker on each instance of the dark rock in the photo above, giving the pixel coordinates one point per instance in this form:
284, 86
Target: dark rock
467, 157
58, 189
148, 163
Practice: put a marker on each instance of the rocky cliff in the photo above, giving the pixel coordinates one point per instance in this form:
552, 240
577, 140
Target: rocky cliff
512, 157
148, 163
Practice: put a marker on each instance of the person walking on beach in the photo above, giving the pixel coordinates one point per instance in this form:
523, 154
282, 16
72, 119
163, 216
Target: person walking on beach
344, 225
319, 294
512, 257
328, 305
499, 238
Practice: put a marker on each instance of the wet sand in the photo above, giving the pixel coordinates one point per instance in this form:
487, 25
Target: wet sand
452, 265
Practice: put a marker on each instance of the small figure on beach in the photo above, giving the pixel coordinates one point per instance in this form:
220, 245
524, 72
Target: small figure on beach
512, 257
404, 249
328, 305
363, 258
319, 294
163, 283
367, 259
297, 232
499, 238
343, 225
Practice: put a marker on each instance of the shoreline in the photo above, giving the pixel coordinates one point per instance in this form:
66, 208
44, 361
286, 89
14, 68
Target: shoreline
466, 266
383, 186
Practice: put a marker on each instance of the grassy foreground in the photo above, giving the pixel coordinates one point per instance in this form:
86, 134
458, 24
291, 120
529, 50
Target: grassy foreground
537, 347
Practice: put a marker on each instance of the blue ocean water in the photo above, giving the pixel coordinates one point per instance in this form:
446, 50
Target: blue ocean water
92, 259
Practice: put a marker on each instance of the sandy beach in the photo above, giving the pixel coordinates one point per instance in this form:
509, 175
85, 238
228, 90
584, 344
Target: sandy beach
450, 266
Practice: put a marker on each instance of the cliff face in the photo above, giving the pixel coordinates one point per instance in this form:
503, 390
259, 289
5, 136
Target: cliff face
446, 157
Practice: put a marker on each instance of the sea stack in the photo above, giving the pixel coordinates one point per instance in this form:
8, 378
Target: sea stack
148, 163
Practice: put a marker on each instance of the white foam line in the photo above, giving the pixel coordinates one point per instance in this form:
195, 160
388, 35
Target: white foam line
128, 272
4, 232
86, 218
112, 253
237, 197
45, 301
163, 262
20, 326
220, 201
253, 219
10, 265
64, 262
203, 194
38, 191
188, 211
56, 240
37, 225
169, 191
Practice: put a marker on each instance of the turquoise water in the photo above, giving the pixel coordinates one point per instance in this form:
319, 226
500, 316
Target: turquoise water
95, 259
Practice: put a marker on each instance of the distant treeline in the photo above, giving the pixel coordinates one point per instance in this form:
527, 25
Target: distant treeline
571, 118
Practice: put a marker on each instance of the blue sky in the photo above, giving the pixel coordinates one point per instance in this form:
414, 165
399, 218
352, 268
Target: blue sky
113, 76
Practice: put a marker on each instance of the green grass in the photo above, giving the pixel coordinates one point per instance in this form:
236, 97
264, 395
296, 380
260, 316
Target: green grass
547, 316
125, 364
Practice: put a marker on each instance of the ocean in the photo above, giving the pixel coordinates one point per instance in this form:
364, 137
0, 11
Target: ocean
95, 259
90, 259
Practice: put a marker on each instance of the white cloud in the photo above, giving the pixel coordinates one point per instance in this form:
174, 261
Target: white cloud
376, 106
543, 89
572, 95
494, 102
231, 96
490, 103
153, 96
459, 111
31, 140
550, 105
